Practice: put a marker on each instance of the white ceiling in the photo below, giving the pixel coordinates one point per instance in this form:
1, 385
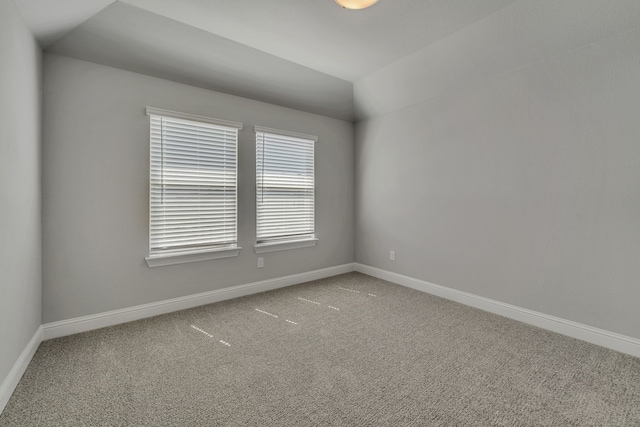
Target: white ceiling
49, 20
316, 45
319, 34
126, 37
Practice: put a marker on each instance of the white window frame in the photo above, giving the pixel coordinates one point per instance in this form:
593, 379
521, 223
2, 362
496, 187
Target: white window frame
197, 253
282, 243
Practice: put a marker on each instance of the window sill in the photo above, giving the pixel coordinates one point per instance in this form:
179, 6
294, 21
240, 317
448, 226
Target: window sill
160, 260
262, 248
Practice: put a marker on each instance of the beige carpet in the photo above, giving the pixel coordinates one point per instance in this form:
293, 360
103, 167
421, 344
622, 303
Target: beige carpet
346, 351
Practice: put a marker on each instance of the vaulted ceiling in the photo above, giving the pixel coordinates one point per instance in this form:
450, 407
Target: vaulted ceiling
302, 54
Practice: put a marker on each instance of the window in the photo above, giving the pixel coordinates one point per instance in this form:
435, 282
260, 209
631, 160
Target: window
193, 188
285, 190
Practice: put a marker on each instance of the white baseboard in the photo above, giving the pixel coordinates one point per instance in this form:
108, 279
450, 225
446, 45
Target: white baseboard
11, 381
110, 318
601, 337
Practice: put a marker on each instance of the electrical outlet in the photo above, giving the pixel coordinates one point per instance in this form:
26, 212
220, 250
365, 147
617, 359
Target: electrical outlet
260, 262
392, 255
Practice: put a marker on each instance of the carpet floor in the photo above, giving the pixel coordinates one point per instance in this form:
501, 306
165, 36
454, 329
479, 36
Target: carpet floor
350, 350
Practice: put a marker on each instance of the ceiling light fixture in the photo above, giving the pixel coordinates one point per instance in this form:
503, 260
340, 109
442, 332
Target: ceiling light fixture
356, 4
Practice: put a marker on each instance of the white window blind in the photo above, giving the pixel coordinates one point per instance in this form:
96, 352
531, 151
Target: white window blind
193, 182
285, 185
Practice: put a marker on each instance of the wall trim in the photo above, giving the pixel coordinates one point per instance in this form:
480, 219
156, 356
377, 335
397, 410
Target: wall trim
110, 318
601, 337
263, 248
15, 374
160, 260
151, 111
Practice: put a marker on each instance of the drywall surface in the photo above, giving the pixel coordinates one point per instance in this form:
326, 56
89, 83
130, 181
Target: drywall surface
96, 190
516, 36
523, 187
20, 261
130, 38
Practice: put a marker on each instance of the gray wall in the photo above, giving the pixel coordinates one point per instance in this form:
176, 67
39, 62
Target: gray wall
134, 39
513, 175
95, 190
20, 278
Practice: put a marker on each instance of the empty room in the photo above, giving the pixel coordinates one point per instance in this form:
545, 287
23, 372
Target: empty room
319, 213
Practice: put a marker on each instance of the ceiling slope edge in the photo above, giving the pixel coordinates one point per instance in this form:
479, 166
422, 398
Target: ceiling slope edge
49, 21
133, 39
521, 35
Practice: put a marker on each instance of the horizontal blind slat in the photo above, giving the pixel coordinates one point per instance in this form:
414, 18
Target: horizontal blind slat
193, 184
285, 187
